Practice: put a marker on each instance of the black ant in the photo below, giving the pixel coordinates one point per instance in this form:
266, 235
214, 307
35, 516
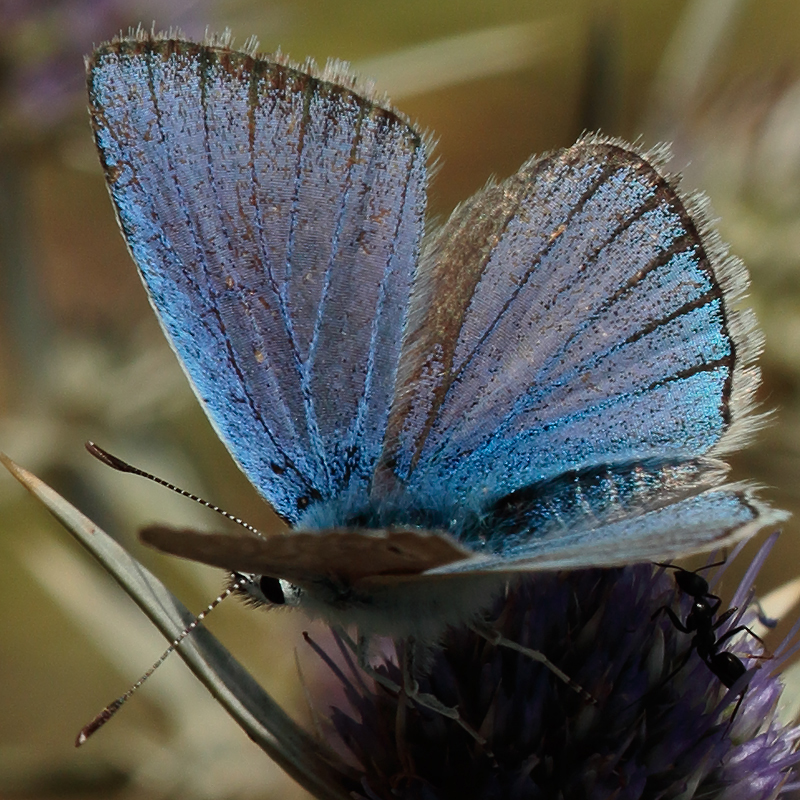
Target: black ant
702, 623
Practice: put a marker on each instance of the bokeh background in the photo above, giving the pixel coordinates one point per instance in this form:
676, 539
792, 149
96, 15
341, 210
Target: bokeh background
82, 357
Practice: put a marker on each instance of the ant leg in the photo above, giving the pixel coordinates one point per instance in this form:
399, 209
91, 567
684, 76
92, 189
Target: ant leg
738, 705
673, 618
680, 666
738, 629
723, 618
714, 607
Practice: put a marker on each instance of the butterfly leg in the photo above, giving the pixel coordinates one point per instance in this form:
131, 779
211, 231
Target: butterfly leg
410, 689
494, 637
361, 651
426, 700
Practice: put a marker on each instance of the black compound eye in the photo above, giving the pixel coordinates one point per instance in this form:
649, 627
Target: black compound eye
271, 589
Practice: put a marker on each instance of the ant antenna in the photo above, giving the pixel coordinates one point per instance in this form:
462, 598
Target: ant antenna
122, 466
108, 712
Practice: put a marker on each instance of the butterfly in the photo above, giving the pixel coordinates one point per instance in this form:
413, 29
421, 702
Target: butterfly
547, 381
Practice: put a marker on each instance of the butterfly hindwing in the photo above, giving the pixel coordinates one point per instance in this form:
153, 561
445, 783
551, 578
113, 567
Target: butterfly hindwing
584, 324
346, 556
590, 525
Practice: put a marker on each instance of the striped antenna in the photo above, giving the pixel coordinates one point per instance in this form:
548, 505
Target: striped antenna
123, 466
108, 712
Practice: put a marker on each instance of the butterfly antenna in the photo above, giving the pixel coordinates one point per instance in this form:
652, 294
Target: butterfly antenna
108, 712
123, 466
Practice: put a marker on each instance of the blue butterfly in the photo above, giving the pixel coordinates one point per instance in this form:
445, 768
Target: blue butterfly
548, 381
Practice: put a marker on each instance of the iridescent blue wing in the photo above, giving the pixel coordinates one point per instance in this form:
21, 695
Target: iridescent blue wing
701, 522
573, 349
275, 218
616, 516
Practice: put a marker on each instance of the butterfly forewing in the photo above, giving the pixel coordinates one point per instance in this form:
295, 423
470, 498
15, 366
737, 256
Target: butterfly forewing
275, 218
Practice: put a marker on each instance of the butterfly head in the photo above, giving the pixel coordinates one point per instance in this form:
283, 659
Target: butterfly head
395, 608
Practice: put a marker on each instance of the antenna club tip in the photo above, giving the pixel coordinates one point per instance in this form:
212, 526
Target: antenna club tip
107, 458
100, 720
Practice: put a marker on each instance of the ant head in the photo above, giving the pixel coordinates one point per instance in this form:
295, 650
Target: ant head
691, 583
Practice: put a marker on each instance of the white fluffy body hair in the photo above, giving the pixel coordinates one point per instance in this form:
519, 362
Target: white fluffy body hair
421, 609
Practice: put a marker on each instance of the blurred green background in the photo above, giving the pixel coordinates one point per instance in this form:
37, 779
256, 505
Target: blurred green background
82, 357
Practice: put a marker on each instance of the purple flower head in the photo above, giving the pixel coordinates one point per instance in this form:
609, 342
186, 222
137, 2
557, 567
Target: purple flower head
656, 730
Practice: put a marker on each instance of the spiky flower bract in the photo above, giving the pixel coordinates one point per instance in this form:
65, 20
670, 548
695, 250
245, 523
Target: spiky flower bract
656, 729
